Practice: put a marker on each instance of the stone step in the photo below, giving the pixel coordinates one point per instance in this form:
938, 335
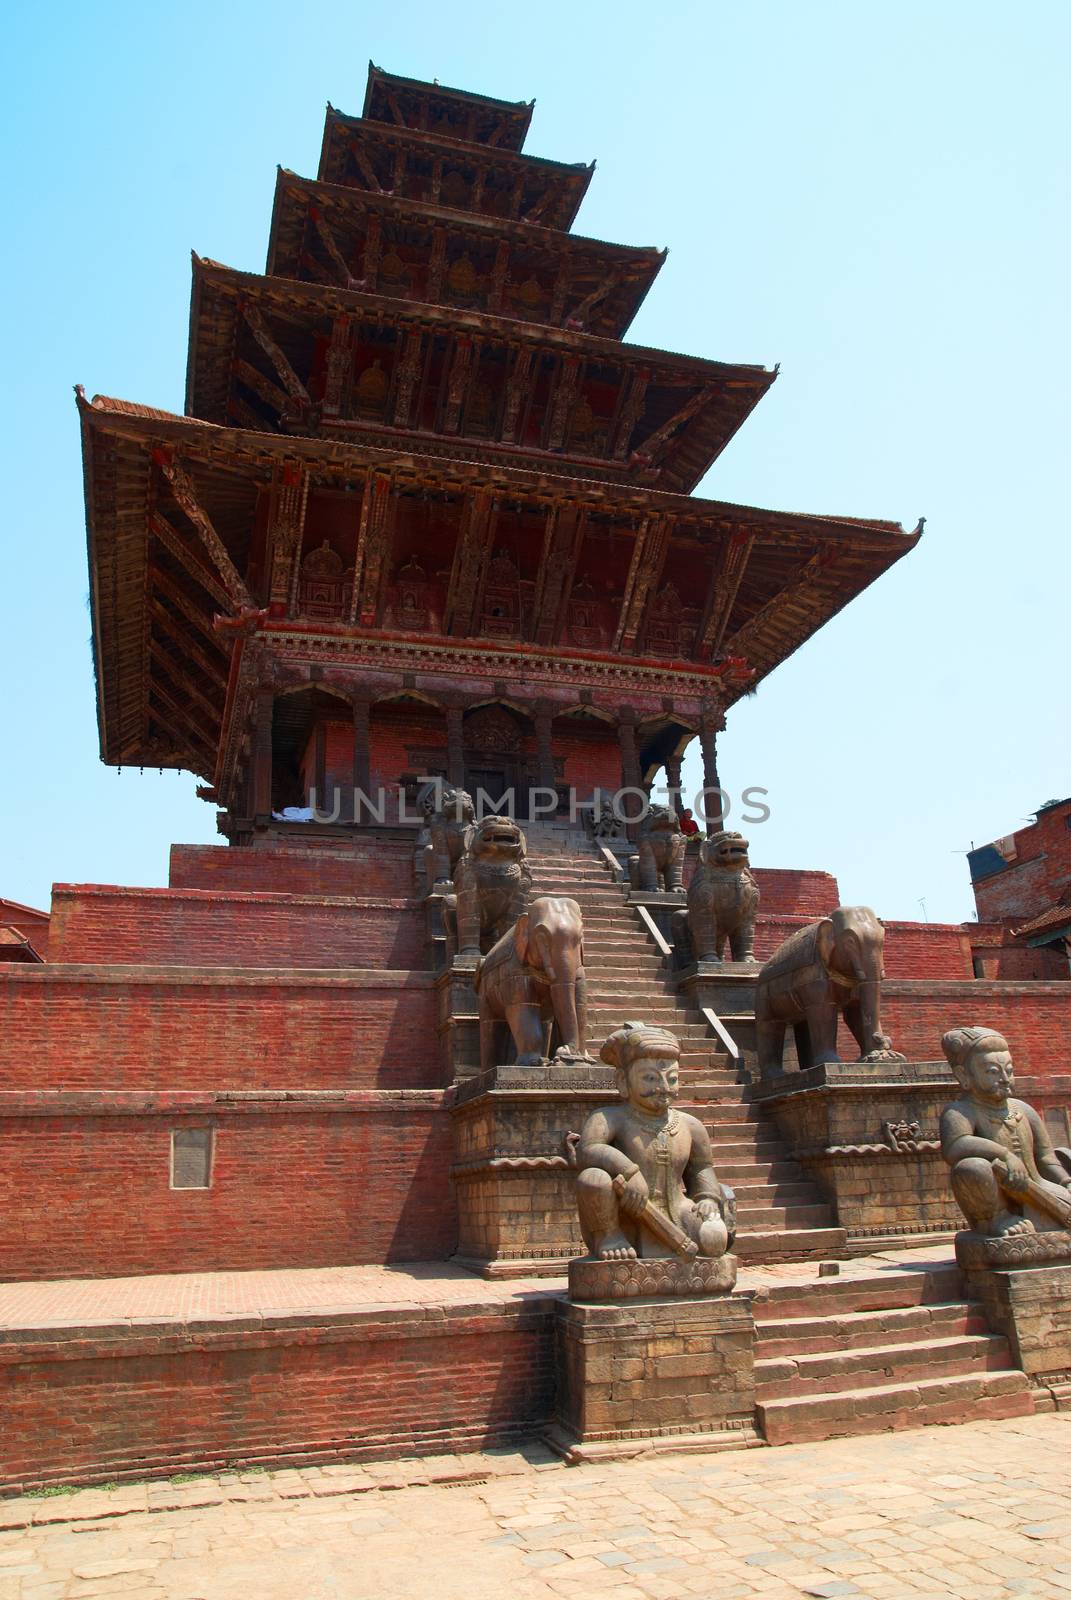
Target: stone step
841, 1296
763, 1219
795, 1192
758, 1148
956, 1397
791, 1336
782, 1171
864, 1366
780, 1244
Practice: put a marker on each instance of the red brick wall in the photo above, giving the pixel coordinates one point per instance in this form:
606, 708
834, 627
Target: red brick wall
378, 864
1034, 1017
73, 1027
294, 1184
200, 927
149, 1405
995, 956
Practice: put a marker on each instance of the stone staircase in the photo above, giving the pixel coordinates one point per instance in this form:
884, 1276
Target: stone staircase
840, 1356
781, 1216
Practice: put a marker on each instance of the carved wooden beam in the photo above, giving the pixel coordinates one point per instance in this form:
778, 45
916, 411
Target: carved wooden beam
436, 266
457, 382
263, 386
337, 365
364, 167
287, 376
182, 602
374, 535
239, 411
182, 488
189, 559
286, 530
516, 388
470, 556
724, 585
612, 281
373, 244
645, 570
629, 411
330, 244
499, 273
562, 541
562, 400
194, 729
212, 670
800, 589
188, 748
409, 367
654, 447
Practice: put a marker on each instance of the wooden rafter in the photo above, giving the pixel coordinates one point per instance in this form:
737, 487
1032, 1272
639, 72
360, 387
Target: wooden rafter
190, 560
724, 586
364, 167
171, 591
168, 664
182, 487
212, 670
330, 244
194, 729
262, 334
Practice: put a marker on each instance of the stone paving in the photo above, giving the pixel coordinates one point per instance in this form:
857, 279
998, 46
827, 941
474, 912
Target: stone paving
979, 1512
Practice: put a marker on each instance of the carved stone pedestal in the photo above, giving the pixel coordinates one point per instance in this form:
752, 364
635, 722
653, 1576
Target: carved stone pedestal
1023, 1283
653, 1278
661, 903
459, 1018
654, 1375
867, 1133
728, 988
515, 1188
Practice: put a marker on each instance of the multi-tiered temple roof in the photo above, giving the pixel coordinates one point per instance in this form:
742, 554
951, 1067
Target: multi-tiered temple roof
419, 462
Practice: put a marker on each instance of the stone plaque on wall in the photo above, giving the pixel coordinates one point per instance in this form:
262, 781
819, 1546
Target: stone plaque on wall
191, 1158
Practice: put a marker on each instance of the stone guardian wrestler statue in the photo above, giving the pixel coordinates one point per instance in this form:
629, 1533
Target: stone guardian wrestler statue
1005, 1173
644, 1164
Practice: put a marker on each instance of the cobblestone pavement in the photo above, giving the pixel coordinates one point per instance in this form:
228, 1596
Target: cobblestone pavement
980, 1512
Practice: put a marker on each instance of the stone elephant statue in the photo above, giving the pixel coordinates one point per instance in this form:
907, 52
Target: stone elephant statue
723, 900
659, 861
534, 974
831, 969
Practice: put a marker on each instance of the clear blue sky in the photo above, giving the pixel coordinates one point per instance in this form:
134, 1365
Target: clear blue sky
874, 195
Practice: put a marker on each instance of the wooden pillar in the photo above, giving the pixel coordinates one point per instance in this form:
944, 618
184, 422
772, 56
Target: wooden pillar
630, 770
673, 782
455, 745
362, 765
264, 711
711, 724
543, 720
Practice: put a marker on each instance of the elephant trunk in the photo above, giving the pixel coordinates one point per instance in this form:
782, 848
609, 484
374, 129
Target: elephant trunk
568, 1002
869, 1002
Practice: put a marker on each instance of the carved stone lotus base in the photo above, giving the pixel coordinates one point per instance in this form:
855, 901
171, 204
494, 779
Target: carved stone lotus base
594, 1281
977, 1250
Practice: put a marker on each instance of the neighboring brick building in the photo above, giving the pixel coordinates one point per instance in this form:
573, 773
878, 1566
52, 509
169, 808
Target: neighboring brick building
1022, 889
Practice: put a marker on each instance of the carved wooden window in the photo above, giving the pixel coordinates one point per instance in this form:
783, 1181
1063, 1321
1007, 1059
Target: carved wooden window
191, 1158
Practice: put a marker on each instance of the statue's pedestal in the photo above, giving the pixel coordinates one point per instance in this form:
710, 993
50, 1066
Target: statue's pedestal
516, 1190
867, 1133
728, 988
641, 1375
661, 904
1023, 1283
459, 1018
651, 1277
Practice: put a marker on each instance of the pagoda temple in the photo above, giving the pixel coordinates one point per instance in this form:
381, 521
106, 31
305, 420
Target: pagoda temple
427, 513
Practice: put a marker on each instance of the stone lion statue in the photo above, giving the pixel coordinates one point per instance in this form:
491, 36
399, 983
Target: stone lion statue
447, 826
723, 900
492, 884
659, 862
